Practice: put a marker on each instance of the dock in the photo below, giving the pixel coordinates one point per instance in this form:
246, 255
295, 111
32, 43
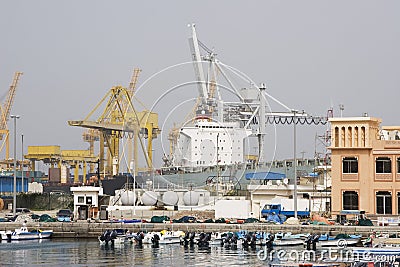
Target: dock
84, 229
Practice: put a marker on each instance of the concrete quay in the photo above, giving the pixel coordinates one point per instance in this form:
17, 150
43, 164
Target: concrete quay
84, 229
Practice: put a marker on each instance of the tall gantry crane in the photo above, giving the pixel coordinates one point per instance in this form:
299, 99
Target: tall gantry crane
92, 135
5, 114
119, 119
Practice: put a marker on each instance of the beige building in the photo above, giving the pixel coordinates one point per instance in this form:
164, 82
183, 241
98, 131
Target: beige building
365, 166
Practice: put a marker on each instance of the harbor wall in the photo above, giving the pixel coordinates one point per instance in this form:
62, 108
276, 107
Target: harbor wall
86, 229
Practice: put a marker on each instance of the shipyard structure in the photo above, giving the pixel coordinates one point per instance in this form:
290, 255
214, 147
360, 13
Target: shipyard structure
209, 166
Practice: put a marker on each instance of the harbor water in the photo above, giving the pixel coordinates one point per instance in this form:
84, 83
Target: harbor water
88, 252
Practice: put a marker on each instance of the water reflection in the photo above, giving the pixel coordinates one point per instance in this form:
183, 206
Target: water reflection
81, 252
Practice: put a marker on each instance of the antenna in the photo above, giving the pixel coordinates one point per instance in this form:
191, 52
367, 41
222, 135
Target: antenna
341, 107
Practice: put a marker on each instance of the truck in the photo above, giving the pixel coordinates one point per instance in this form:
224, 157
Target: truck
285, 206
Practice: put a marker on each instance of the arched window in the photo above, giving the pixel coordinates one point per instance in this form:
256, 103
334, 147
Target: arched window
350, 200
336, 136
349, 136
356, 136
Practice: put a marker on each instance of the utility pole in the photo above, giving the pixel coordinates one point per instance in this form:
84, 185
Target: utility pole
15, 117
22, 162
295, 164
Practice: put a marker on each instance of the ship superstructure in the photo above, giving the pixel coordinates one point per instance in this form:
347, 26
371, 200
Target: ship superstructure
218, 131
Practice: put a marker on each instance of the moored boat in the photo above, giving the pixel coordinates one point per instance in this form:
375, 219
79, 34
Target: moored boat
23, 233
288, 239
171, 237
341, 240
383, 250
116, 236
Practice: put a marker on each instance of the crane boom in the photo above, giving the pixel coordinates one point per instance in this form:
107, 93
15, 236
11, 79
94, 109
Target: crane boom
6, 107
134, 79
194, 46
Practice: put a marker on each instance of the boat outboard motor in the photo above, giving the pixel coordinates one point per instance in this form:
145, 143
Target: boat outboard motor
191, 239
185, 241
269, 242
234, 239
315, 239
309, 241
107, 236
103, 236
227, 241
203, 240
253, 241
139, 238
155, 240
9, 237
113, 236
247, 241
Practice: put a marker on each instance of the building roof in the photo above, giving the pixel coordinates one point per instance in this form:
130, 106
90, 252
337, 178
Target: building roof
265, 176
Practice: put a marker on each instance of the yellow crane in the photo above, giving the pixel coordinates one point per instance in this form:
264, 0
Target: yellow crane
91, 136
116, 122
5, 114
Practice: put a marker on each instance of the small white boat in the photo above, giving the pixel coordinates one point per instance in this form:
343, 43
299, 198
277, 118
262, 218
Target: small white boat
147, 237
326, 241
288, 242
24, 234
288, 239
387, 250
217, 239
164, 237
171, 237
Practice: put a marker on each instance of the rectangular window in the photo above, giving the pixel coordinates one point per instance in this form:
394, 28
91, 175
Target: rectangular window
350, 200
88, 200
398, 203
383, 165
398, 165
350, 165
383, 202
81, 199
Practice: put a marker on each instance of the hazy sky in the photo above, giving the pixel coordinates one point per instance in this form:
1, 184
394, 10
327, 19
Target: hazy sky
311, 54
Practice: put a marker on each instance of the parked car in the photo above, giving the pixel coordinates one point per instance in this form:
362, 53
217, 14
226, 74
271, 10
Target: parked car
18, 211
65, 215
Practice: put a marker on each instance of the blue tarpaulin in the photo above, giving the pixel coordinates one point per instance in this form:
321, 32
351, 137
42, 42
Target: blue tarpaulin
265, 176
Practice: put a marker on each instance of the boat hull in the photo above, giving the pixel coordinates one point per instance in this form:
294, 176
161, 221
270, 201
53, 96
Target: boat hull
339, 242
11, 236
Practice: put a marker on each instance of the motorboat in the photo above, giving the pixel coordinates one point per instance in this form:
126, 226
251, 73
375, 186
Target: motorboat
288, 239
171, 237
379, 250
23, 233
341, 240
116, 236
163, 237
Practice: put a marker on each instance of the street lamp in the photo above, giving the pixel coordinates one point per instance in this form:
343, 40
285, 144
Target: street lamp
15, 117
